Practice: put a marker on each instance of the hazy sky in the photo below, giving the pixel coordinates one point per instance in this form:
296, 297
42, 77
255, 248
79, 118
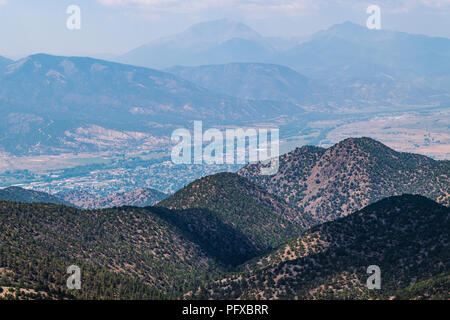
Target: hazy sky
116, 26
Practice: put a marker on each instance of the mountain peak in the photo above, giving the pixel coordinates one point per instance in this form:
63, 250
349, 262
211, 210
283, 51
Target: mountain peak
404, 200
346, 25
346, 30
362, 142
224, 28
350, 175
207, 33
232, 200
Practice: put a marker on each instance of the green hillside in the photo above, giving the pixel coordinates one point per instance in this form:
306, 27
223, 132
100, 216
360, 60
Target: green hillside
406, 236
265, 220
123, 252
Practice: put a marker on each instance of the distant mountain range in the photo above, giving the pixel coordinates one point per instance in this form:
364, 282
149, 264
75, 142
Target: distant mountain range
228, 236
231, 75
256, 81
211, 42
87, 88
53, 104
371, 66
331, 183
345, 50
350, 50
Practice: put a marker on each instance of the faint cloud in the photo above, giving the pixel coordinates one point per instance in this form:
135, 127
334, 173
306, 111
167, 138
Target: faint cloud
2, 2
141, 2
250, 9
270, 8
436, 3
279, 5
406, 6
391, 6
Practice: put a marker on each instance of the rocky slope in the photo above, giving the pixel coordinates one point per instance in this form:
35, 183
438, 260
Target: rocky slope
331, 183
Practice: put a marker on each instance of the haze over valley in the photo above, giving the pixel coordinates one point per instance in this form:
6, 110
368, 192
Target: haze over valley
84, 115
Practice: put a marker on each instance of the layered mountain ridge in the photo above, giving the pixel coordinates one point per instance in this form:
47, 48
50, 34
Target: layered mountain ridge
358, 66
405, 236
227, 236
53, 104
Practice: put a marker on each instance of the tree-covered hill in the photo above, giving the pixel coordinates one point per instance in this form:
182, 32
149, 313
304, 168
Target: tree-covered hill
406, 236
205, 229
241, 205
123, 252
157, 253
